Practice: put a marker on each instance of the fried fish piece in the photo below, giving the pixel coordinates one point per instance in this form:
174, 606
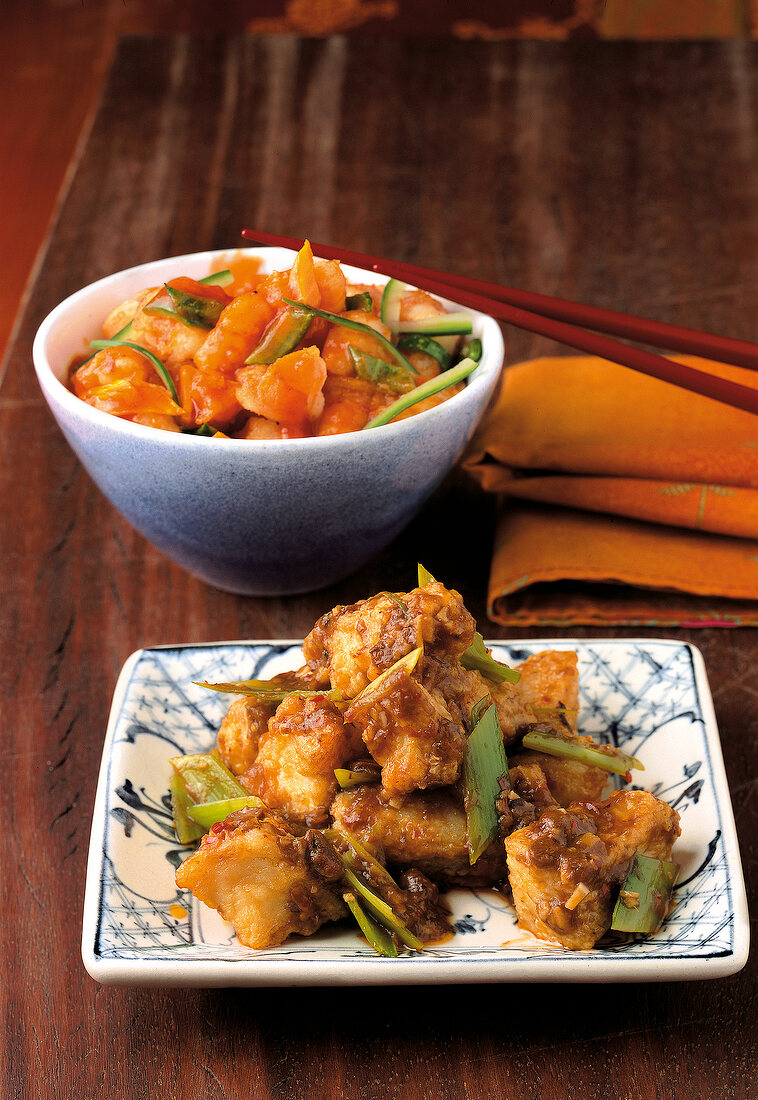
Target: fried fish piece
352, 645
566, 868
244, 724
426, 830
569, 780
254, 869
549, 685
293, 773
408, 730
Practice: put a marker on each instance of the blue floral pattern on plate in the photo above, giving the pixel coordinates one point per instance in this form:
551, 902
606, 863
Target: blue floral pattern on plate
649, 697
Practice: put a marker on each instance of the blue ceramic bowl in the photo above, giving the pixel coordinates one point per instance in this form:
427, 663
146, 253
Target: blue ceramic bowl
256, 517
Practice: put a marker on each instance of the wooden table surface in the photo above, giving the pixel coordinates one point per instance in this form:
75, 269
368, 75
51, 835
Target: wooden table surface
622, 174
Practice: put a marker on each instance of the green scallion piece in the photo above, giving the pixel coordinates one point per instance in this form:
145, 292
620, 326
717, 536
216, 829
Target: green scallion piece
424, 576
206, 778
383, 912
405, 664
477, 658
187, 831
161, 369
267, 690
381, 941
645, 897
380, 372
554, 743
218, 278
207, 814
355, 777
426, 389
395, 355
483, 765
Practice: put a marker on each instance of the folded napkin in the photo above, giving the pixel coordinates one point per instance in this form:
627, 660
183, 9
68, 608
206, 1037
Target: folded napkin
625, 500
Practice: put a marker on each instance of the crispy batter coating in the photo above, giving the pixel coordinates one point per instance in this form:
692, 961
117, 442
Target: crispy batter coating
565, 868
293, 772
409, 731
252, 868
353, 645
549, 685
426, 830
242, 728
569, 780
460, 688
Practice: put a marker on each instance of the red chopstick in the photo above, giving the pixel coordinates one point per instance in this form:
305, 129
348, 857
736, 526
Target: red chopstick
559, 319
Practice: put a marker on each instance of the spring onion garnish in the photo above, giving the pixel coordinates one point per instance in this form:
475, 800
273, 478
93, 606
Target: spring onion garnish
356, 777
218, 278
383, 912
438, 324
381, 941
424, 576
426, 389
206, 778
394, 354
267, 690
405, 665
166, 378
362, 300
417, 341
208, 813
396, 599
390, 375
554, 743
645, 896
478, 658
187, 831
483, 765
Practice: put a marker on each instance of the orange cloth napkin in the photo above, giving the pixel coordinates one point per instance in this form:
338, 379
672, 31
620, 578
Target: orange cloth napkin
626, 500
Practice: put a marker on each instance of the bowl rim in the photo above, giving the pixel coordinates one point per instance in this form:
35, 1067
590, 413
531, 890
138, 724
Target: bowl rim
57, 393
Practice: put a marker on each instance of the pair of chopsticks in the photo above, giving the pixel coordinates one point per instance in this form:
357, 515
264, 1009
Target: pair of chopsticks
568, 322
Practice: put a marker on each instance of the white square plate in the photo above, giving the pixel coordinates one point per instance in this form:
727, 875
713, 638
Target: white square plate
649, 697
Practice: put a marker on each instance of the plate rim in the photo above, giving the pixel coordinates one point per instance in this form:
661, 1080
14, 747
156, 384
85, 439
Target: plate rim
580, 967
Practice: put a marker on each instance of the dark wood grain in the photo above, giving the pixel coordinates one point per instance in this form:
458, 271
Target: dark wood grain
619, 174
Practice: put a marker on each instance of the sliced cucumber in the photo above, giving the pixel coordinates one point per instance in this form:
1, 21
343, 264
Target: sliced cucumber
426, 389
160, 367
395, 355
419, 341
391, 302
218, 278
363, 300
472, 349
193, 309
391, 375
282, 336
439, 324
